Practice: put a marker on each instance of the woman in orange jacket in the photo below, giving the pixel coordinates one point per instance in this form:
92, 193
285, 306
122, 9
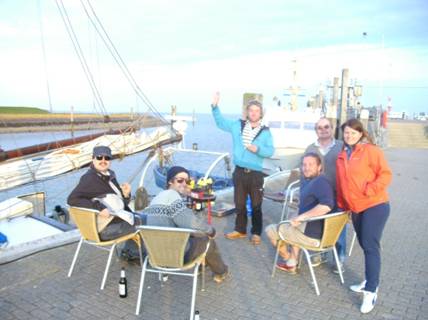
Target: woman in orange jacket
362, 178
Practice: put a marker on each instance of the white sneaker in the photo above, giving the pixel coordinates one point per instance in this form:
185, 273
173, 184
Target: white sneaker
369, 301
359, 288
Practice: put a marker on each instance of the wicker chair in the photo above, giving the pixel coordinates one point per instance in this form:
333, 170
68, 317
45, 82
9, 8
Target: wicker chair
86, 221
333, 226
165, 252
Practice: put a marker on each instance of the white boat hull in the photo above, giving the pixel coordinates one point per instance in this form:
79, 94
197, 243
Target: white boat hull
24, 170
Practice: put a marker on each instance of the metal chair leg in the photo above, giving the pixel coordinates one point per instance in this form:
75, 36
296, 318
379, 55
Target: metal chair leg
339, 267
110, 255
75, 257
311, 269
140, 289
203, 275
195, 285
276, 258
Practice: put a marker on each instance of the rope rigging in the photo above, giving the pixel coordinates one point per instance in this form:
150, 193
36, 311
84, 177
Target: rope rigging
78, 49
99, 28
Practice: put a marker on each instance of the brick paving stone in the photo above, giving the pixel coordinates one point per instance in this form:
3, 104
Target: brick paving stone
37, 286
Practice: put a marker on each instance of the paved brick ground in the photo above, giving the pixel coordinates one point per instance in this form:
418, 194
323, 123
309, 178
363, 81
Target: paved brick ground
37, 287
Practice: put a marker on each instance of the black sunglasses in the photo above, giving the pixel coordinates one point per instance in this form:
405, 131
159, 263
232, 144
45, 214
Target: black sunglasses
325, 127
181, 180
106, 158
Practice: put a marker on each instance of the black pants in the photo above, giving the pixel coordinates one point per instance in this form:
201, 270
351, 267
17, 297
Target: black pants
248, 183
369, 226
213, 257
118, 227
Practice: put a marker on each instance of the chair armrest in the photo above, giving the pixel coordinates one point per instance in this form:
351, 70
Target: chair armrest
85, 209
172, 229
323, 217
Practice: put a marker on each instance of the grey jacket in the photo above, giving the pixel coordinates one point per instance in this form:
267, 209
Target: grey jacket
168, 209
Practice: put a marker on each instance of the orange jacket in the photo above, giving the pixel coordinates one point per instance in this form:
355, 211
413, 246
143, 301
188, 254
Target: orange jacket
362, 179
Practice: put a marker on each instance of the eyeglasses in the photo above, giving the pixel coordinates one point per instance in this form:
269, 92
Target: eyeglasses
181, 180
106, 158
323, 127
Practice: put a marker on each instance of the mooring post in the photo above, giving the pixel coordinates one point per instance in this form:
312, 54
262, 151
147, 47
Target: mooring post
343, 99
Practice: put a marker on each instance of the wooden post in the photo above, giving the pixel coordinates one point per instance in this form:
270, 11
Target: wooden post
343, 99
320, 99
332, 108
72, 121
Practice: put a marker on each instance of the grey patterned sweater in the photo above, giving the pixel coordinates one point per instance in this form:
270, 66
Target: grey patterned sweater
168, 209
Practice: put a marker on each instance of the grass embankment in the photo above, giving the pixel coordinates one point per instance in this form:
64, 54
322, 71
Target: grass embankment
22, 110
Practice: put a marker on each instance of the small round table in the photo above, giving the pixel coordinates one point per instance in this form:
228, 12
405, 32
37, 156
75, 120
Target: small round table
205, 198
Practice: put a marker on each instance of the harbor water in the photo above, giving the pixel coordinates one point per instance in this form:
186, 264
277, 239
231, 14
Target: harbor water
204, 133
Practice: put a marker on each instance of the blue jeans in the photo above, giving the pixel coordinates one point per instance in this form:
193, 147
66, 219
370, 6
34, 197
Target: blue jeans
369, 225
341, 245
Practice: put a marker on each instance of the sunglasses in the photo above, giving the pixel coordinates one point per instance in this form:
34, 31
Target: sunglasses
106, 158
324, 127
181, 180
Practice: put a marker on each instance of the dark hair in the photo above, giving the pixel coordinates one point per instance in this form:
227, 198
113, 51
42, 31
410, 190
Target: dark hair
313, 155
357, 125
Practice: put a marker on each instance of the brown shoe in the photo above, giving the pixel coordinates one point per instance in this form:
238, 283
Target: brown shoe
219, 278
255, 239
235, 235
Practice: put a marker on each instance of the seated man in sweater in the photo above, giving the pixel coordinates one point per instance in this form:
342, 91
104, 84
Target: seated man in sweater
316, 199
98, 189
168, 209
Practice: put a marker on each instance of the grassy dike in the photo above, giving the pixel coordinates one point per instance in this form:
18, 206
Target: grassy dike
31, 119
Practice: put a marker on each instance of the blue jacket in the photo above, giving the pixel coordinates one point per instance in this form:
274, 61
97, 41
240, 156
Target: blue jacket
241, 156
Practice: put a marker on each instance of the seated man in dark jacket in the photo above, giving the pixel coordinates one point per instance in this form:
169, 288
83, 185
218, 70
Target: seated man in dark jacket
97, 183
169, 209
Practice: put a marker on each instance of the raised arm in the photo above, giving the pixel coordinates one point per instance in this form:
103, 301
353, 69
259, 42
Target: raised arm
221, 122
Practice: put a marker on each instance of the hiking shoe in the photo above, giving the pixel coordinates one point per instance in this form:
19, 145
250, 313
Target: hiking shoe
255, 239
235, 235
369, 301
219, 278
284, 267
359, 288
336, 270
318, 259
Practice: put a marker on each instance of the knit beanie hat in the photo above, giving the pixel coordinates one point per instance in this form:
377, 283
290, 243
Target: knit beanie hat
173, 171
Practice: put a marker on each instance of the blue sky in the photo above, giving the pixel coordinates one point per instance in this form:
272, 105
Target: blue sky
180, 52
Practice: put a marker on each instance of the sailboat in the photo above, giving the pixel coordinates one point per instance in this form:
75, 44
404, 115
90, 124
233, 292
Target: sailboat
23, 220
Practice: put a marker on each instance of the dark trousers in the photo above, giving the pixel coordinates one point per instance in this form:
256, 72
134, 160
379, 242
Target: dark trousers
369, 226
118, 227
213, 257
248, 183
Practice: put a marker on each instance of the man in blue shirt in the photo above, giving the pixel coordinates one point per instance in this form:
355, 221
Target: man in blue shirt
252, 143
316, 199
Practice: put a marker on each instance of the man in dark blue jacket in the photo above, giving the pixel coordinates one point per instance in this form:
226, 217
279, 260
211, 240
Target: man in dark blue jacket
94, 185
252, 143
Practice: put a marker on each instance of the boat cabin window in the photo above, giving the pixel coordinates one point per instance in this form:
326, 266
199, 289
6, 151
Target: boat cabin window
274, 124
309, 126
292, 124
